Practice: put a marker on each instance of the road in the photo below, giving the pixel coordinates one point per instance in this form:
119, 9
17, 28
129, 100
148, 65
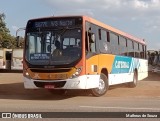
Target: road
144, 98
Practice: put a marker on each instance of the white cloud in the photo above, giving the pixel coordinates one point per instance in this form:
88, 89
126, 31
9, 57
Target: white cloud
140, 4
146, 10
130, 13
119, 8
155, 3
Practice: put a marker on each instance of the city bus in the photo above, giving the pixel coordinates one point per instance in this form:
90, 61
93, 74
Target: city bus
79, 52
5, 58
2, 65
17, 59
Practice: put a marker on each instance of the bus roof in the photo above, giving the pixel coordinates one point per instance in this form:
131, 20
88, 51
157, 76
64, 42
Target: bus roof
89, 19
96, 22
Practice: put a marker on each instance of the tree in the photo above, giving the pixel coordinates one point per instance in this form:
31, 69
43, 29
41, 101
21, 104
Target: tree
3, 28
6, 40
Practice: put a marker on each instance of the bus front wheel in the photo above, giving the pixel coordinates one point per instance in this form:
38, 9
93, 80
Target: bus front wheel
103, 86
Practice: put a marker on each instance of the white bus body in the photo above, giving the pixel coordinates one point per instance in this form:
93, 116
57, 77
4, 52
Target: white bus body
17, 58
2, 63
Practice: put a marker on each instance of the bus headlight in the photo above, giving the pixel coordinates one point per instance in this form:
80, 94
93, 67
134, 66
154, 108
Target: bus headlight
26, 74
77, 73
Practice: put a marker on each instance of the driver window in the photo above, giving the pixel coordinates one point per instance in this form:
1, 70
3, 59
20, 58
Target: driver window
90, 41
93, 47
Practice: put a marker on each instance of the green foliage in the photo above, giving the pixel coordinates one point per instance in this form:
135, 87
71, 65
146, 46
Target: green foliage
3, 28
6, 40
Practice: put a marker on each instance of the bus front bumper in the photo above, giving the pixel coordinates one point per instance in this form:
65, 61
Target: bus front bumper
81, 82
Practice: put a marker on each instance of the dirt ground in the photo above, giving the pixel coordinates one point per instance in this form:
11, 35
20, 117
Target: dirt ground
11, 84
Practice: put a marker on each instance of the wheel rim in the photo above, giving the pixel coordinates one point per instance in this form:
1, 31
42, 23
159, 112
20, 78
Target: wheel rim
102, 87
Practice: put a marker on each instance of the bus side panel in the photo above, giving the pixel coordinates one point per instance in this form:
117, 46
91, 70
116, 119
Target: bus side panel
2, 66
17, 58
121, 68
95, 64
106, 62
5, 56
92, 65
143, 69
1, 59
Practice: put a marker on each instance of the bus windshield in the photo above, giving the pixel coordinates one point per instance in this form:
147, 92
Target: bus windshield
58, 46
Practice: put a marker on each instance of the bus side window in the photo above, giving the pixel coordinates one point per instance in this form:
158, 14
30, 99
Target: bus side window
145, 52
130, 48
136, 48
90, 41
114, 43
123, 46
86, 42
141, 51
103, 41
92, 44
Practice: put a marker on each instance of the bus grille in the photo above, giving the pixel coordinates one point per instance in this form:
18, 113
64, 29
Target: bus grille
50, 71
55, 84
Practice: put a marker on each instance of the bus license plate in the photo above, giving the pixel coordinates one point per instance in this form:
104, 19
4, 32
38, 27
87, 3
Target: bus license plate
49, 86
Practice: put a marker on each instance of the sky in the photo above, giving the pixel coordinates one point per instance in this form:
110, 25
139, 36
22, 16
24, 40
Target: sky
140, 18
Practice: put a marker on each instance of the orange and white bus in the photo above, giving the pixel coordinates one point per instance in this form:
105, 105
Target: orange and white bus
79, 52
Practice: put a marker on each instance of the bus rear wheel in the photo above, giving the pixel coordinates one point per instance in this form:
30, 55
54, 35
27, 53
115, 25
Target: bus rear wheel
135, 80
103, 86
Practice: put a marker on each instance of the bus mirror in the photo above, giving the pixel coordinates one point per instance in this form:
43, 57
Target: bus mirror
18, 41
92, 38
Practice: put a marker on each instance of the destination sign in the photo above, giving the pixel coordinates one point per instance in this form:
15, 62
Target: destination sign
39, 56
54, 23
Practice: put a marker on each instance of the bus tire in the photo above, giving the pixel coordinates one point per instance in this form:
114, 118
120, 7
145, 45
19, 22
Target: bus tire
103, 86
135, 80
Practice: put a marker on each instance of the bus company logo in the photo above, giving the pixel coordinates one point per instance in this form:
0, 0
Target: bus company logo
36, 76
121, 64
6, 115
49, 76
